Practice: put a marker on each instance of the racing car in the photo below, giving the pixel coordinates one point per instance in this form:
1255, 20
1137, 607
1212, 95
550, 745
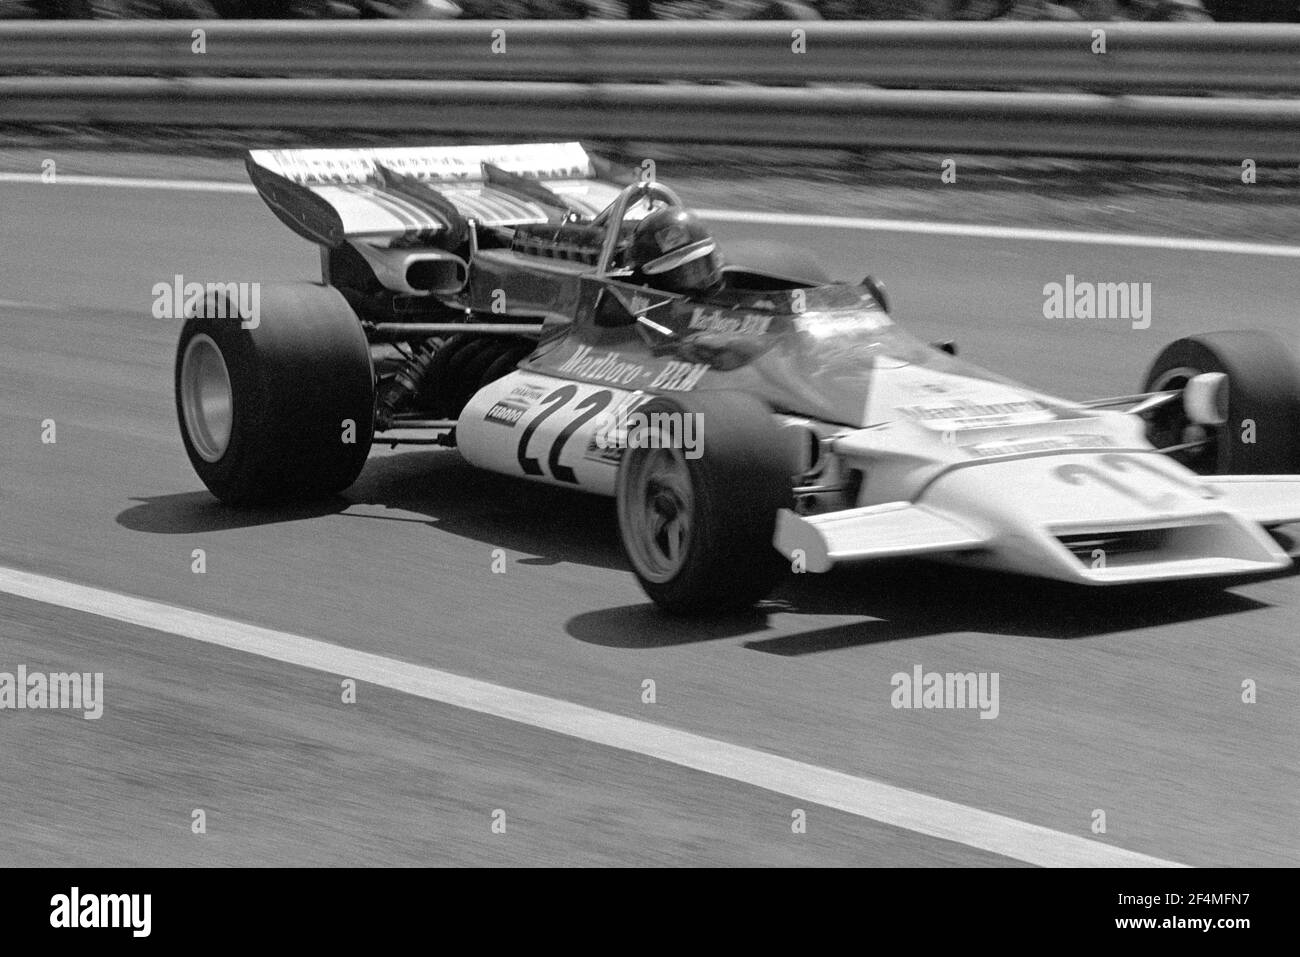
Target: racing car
749, 415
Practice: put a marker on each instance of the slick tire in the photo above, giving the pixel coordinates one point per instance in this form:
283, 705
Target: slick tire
698, 532
282, 411
1262, 433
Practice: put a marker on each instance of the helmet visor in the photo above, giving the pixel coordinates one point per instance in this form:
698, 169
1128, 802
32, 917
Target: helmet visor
697, 275
679, 257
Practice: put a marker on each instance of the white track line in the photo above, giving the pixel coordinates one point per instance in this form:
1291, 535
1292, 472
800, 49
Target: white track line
865, 798
855, 223
125, 182
1005, 232
19, 304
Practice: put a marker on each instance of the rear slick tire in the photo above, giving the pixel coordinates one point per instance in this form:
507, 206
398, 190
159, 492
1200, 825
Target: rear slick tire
282, 411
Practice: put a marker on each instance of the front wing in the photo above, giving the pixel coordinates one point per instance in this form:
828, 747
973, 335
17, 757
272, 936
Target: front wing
1230, 541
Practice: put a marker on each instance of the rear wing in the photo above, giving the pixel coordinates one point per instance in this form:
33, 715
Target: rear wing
427, 194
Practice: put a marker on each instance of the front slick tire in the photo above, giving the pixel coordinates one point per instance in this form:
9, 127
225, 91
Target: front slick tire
698, 530
282, 411
1263, 394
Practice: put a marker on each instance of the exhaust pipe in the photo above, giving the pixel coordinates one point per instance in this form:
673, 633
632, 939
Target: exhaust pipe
416, 272
442, 275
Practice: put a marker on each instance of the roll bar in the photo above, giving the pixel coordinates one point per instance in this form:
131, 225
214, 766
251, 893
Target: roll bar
612, 216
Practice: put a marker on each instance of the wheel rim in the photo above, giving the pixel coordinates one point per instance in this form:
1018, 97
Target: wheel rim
1172, 427
207, 400
656, 511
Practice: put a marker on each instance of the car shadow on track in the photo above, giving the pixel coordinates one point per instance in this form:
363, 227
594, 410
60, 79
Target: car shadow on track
914, 599
889, 601
188, 512
436, 488
552, 524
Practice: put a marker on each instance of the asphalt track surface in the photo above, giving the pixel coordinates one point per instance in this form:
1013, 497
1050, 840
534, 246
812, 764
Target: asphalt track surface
1126, 702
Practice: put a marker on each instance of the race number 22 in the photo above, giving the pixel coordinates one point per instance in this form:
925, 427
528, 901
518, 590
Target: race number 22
585, 410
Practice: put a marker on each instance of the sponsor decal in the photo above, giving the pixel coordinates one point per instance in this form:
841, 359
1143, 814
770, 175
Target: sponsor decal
511, 408
826, 324
505, 413
611, 367
321, 167
720, 320
956, 414
680, 376
1050, 444
527, 393
607, 368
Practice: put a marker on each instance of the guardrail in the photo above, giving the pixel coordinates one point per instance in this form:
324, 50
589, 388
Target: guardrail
361, 78
1181, 58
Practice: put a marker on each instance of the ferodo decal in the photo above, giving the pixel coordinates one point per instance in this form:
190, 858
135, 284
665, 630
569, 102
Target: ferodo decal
509, 410
505, 413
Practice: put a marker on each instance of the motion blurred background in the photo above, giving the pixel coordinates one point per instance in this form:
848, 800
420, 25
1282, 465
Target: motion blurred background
1250, 11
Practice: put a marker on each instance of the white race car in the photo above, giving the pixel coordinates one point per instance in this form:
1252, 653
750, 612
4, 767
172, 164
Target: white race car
771, 418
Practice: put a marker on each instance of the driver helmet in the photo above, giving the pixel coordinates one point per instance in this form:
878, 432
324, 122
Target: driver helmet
671, 250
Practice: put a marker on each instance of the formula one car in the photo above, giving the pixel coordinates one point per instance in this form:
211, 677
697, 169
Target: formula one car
747, 413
